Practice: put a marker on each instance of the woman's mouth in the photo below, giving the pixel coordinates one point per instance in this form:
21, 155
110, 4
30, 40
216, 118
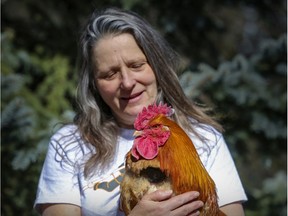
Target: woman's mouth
132, 98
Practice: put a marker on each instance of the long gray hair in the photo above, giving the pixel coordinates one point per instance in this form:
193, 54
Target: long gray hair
95, 121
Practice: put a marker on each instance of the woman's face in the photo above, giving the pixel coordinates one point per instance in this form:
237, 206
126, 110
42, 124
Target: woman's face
124, 78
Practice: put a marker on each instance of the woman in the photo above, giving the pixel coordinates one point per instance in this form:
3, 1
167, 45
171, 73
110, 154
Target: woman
126, 65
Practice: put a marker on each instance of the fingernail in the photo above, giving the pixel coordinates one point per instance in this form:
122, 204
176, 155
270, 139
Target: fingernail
200, 204
196, 194
168, 192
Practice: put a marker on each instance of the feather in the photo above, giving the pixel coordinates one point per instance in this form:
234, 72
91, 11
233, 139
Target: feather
181, 162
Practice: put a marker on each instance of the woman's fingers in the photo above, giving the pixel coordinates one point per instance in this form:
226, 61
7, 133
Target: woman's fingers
182, 199
153, 204
191, 209
158, 195
183, 204
162, 202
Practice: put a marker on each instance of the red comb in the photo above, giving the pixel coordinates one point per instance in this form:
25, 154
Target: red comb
142, 119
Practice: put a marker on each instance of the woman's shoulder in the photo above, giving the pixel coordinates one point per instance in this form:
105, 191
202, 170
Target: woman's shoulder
207, 142
208, 133
66, 132
67, 137
67, 145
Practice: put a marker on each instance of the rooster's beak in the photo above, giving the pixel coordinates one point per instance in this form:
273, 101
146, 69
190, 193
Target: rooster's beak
137, 133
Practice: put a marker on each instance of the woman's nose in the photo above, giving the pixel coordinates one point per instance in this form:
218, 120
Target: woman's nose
127, 79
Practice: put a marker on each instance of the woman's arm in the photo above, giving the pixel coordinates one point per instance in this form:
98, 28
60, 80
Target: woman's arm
59, 210
58, 188
233, 209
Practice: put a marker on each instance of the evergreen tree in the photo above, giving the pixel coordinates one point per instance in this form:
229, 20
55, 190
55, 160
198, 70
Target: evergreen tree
34, 98
251, 95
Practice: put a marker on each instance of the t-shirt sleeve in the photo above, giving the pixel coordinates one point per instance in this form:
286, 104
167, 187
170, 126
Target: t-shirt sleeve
225, 175
58, 181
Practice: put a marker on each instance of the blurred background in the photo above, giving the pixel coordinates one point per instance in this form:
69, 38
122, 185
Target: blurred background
234, 56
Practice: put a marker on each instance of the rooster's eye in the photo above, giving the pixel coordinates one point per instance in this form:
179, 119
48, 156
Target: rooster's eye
154, 175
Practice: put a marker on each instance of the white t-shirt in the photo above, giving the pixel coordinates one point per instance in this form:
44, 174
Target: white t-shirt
62, 179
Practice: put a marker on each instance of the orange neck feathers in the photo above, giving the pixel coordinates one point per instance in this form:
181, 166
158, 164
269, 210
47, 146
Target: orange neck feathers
178, 157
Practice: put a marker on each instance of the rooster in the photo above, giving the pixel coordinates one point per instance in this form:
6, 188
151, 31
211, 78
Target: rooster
164, 157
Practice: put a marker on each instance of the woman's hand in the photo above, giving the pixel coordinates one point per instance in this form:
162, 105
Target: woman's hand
163, 203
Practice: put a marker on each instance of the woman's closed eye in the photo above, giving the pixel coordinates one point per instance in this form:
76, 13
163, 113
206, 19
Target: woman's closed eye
107, 75
137, 66
112, 74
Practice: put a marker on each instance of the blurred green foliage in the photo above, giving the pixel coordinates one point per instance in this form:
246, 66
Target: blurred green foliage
250, 96
234, 60
33, 100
